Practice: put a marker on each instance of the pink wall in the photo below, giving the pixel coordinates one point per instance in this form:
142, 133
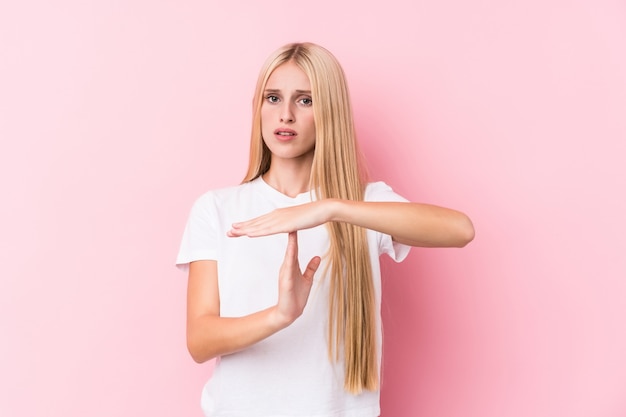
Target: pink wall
114, 116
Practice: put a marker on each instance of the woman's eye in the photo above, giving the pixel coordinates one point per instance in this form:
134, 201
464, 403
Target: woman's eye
272, 99
306, 101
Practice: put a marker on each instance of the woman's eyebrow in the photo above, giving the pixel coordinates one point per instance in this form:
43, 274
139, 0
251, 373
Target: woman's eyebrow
275, 90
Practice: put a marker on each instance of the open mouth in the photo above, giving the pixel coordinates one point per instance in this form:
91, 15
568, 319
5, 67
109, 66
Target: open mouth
285, 133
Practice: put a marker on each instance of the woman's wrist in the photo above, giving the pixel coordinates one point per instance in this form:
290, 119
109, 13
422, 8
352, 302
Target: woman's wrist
334, 208
277, 320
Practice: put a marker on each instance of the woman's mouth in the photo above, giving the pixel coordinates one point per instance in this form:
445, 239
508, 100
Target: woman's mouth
285, 134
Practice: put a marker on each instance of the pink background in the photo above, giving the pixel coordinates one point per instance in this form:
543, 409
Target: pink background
116, 115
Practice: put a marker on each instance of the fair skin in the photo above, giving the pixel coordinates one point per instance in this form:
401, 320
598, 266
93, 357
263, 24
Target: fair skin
289, 132
288, 129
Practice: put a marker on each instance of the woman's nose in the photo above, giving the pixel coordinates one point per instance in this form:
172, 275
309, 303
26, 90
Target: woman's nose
286, 114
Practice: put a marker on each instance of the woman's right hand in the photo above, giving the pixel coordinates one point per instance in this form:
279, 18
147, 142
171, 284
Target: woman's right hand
294, 285
210, 335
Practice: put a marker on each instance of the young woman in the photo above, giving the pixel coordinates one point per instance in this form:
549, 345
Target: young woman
284, 276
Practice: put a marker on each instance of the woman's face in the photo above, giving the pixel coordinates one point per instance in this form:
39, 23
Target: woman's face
287, 123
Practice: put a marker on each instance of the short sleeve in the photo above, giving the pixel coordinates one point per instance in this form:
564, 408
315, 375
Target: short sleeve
380, 191
199, 240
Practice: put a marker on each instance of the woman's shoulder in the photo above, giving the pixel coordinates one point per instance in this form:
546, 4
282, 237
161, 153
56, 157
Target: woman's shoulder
222, 195
381, 191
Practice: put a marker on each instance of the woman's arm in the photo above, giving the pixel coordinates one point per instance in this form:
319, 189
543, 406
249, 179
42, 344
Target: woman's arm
413, 224
209, 335
409, 223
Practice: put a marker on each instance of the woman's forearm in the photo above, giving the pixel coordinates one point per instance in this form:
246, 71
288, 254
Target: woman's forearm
413, 224
209, 335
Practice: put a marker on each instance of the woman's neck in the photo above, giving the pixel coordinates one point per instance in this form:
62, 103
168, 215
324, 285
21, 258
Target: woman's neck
289, 179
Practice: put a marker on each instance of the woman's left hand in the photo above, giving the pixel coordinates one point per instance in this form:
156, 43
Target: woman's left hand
284, 220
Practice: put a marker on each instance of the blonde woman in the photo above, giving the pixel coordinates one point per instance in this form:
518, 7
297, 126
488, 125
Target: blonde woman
284, 276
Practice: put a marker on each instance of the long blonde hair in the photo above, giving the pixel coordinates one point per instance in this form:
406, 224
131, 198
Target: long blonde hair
337, 172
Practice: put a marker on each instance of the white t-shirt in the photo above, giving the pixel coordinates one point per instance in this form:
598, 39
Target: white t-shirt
288, 374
